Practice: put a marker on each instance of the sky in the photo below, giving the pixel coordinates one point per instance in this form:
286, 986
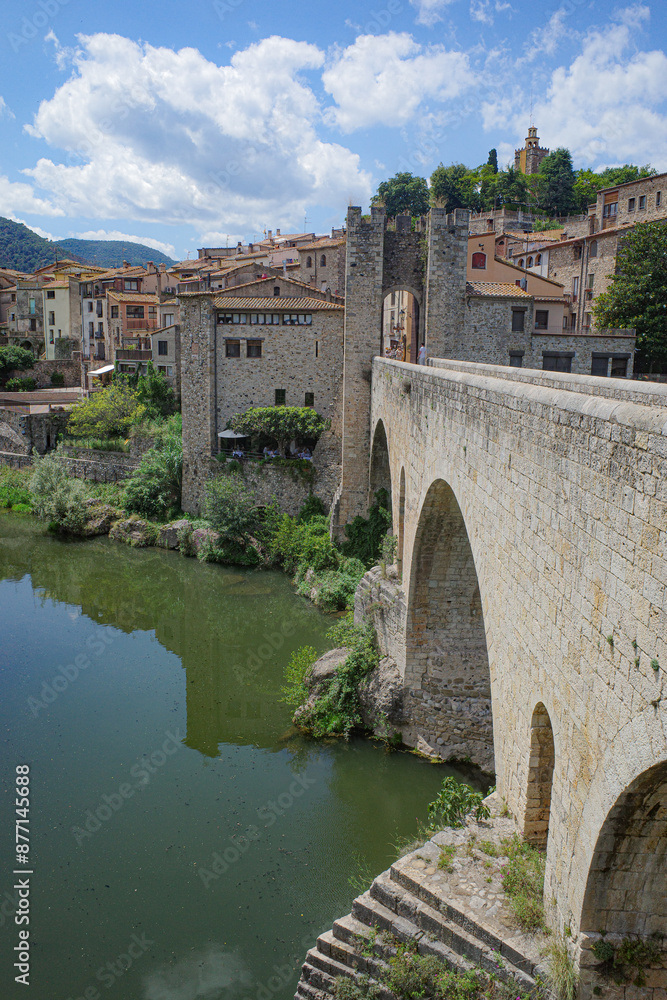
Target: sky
182, 127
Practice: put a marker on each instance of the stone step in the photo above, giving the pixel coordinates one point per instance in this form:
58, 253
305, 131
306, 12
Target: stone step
307, 992
457, 938
349, 954
328, 965
473, 927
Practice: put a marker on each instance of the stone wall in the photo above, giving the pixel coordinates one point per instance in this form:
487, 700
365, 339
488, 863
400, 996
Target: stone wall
43, 370
487, 331
655, 208
24, 431
288, 487
562, 498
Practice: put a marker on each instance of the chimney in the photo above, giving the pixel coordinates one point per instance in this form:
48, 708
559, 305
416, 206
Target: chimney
125, 264
270, 234
163, 267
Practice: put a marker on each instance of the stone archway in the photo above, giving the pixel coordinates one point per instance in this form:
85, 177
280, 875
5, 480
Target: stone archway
540, 779
447, 677
380, 471
401, 323
626, 890
10, 440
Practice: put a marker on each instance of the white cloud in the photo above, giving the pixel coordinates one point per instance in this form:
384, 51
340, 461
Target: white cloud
114, 234
15, 196
608, 105
38, 229
429, 12
480, 10
158, 135
544, 41
395, 75
5, 110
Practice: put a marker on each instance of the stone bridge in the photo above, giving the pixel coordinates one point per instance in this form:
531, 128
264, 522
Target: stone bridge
529, 623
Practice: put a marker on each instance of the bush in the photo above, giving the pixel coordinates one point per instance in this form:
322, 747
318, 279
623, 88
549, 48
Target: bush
364, 535
155, 393
294, 691
230, 507
155, 488
14, 488
57, 498
15, 359
313, 507
303, 545
21, 384
57, 379
106, 414
454, 803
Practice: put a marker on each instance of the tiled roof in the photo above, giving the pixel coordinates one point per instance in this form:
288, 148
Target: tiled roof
134, 297
56, 284
324, 241
536, 237
496, 289
278, 303
273, 279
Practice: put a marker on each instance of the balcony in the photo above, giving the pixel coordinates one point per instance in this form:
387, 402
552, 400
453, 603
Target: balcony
123, 354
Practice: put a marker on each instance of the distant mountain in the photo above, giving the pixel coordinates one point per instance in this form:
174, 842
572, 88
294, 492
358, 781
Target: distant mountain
23, 250
112, 253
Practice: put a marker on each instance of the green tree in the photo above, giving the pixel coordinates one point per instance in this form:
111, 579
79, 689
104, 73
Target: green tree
403, 194
155, 393
512, 188
57, 498
230, 507
14, 359
637, 296
588, 183
155, 488
107, 413
557, 173
493, 160
281, 424
455, 187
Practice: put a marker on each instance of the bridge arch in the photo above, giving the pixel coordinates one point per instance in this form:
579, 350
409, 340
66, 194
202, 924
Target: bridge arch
540, 778
380, 470
447, 677
626, 889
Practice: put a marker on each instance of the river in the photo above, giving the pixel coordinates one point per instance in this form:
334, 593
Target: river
185, 843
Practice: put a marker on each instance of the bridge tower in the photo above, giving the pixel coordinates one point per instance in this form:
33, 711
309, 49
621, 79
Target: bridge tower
430, 262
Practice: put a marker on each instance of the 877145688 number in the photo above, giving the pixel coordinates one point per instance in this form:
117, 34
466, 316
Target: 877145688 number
22, 813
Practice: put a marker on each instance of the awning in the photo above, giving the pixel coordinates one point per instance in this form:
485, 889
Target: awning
231, 434
102, 371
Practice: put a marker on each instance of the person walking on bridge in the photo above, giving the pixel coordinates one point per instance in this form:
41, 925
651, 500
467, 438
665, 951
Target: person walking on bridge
421, 356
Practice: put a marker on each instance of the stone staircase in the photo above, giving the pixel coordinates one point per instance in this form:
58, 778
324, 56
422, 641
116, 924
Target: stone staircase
409, 903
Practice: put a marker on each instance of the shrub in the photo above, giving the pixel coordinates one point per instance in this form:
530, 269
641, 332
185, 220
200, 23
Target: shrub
57, 498
523, 882
364, 535
15, 359
313, 507
107, 413
230, 507
294, 691
454, 803
14, 488
21, 384
303, 545
57, 379
155, 393
155, 488
281, 424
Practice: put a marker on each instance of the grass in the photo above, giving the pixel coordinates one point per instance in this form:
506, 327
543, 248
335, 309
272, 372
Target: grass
562, 973
523, 883
447, 855
15, 489
98, 444
488, 847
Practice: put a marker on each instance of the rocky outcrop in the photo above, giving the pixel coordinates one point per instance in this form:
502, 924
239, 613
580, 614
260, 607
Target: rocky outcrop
135, 532
322, 670
381, 695
168, 535
101, 517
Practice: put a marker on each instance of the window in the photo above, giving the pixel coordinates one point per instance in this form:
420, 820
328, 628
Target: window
565, 322
51, 337
577, 251
33, 325
557, 361
236, 319
131, 285
587, 321
13, 297
276, 290
323, 261
297, 319
50, 293
32, 307
591, 280
478, 261
309, 261
135, 312
516, 359
658, 198
541, 319
593, 251
168, 319
91, 328
518, 320
538, 260
114, 312
600, 364
530, 262
90, 307
100, 329
610, 210
280, 397
162, 347
262, 319
631, 204
152, 310
575, 287
642, 202
170, 371
254, 348
619, 367
521, 262
310, 399
232, 348
52, 319
317, 348
100, 308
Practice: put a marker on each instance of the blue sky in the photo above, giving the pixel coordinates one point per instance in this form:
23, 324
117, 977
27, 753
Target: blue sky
184, 126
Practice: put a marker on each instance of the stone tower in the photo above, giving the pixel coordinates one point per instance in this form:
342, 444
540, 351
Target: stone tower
430, 262
528, 159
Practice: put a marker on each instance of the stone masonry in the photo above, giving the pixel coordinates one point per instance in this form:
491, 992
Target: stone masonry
531, 511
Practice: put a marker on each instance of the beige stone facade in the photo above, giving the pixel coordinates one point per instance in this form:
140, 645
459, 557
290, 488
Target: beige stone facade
627, 204
530, 626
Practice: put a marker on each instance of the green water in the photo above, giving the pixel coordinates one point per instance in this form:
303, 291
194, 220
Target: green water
177, 822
